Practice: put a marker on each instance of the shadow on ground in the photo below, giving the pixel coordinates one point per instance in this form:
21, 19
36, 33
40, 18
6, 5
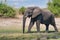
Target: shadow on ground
41, 32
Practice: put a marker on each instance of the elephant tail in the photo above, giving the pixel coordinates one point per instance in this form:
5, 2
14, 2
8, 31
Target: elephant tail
52, 19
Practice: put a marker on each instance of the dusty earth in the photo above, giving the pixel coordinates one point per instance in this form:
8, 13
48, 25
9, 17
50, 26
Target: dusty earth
17, 23
13, 24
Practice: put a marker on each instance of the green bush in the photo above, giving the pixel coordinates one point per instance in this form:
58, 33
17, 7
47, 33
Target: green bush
54, 7
6, 11
21, 10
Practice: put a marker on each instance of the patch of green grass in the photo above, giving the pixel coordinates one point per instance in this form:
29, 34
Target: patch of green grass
55, 39
27, 36
15, 33
10, 31
18, 36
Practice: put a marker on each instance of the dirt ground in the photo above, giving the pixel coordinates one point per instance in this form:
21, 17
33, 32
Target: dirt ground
17, 22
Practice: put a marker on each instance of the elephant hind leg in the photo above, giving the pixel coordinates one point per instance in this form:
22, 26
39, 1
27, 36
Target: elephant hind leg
47, 27
54, 25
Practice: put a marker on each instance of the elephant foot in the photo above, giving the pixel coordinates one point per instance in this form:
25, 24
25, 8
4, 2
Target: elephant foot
47, 31
38, 31
56, 31
28, 31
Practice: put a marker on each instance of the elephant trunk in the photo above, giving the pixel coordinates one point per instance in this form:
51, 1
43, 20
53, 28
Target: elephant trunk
24, 20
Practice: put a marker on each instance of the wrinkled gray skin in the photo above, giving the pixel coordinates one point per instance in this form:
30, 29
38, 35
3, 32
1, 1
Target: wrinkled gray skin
39, 16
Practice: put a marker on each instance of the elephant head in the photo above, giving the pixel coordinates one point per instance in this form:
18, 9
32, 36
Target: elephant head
30, 12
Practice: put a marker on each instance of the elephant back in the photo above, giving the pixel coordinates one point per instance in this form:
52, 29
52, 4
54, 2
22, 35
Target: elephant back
46, 15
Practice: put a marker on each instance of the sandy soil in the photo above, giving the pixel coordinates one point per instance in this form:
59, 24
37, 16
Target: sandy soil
8, 22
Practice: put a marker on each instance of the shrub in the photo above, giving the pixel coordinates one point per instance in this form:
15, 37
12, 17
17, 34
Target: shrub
21, 10
54, 7
6, 11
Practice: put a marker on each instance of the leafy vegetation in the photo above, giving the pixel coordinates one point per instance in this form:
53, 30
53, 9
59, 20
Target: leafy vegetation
29, 36
21, 10
54, 7
6, 11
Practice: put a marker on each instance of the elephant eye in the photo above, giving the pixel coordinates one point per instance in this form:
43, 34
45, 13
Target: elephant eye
29, 13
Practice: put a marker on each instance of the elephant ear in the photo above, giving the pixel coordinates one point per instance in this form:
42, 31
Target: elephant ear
36, 12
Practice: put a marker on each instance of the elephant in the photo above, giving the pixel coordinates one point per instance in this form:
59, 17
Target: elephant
40, 17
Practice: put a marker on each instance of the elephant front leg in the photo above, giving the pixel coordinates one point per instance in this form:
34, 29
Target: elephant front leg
38, 25
30, 25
